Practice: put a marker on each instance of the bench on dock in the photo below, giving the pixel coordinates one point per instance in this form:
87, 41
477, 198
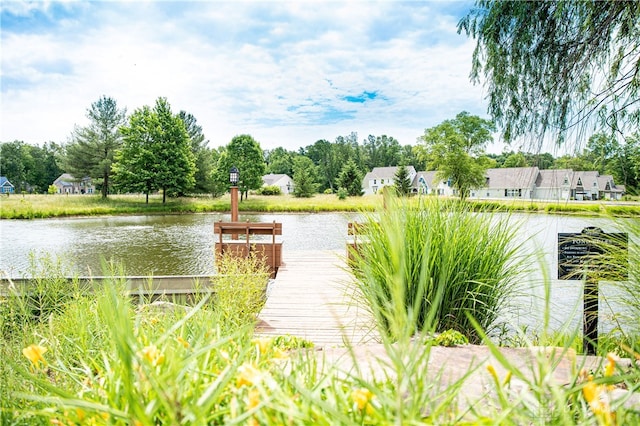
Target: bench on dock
270, 251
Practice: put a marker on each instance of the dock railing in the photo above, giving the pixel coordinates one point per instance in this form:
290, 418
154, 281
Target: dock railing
270, 251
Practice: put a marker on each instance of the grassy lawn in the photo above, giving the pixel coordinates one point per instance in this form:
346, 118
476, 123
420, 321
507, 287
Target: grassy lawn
46, 206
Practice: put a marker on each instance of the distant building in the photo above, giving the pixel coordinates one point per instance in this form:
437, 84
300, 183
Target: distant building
525, 183
428, 183
513, 182
284, 182
6, 187
380, 177
67, 184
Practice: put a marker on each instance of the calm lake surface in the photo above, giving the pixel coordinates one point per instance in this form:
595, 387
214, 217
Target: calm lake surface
183, 245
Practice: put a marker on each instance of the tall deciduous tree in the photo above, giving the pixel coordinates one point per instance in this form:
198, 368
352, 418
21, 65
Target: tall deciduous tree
156, 153
554, 65
93, 147
245, 153
202, 155
280, 161
454, 148
323, 155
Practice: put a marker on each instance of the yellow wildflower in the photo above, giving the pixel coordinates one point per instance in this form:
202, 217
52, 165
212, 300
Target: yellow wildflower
507, 378
153, 355
34, 353
610, 368
362, 398
491, 369
248, 375
254, 399
262, 344
599, 403
182, 341
280, 354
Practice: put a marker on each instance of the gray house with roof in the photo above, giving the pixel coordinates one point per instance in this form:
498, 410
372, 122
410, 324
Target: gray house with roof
282, 181
67, 184
554, 184
514, 182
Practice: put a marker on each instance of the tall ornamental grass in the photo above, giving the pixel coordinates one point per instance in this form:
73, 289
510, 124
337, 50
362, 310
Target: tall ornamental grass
438, 258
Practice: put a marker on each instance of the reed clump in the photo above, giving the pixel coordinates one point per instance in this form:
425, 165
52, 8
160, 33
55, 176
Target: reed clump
437, 258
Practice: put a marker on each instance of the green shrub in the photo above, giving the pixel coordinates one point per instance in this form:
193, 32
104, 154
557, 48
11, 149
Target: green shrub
342, 194
436, 263
269, 190
240, 288
451, 338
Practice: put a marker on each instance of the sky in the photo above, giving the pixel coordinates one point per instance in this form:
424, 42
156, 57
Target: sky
286, 73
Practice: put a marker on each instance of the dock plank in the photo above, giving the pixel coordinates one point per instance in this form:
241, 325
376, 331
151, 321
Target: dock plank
312, 297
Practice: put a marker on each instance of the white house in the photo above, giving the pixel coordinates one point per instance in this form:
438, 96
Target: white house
284, 182
67, 184
608, 190
513, 182
554, 184
380, 177
428, 183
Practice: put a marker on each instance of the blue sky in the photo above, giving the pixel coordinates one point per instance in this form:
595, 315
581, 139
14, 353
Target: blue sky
287, 73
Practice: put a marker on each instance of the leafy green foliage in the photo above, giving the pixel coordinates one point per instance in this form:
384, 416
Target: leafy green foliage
92, 149
451, 338
245, 153
454, 148
156, 153
304, 178
30, 168
269, 190
350, 179
280, 161
202, 155
552, 66
342, 194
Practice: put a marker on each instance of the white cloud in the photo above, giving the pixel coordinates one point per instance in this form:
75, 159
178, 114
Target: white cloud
278, 71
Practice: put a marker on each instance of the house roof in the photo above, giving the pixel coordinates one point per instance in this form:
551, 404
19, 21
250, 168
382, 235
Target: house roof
429, 178
5, 182
386, 172
64, 178
603, 180
513, 177
553, 178
273, 179
588, 179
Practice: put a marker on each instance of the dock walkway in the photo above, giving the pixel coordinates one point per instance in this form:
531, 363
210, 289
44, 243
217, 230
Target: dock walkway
312, 297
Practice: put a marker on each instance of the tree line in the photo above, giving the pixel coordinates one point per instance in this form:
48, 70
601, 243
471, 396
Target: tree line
156, 150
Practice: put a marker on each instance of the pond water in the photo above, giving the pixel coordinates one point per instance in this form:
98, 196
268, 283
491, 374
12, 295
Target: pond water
183, 245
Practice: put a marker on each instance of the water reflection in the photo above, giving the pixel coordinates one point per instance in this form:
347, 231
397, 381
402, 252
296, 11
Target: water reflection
151, 245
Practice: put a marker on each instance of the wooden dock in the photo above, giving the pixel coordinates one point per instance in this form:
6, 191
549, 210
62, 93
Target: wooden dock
312, 298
